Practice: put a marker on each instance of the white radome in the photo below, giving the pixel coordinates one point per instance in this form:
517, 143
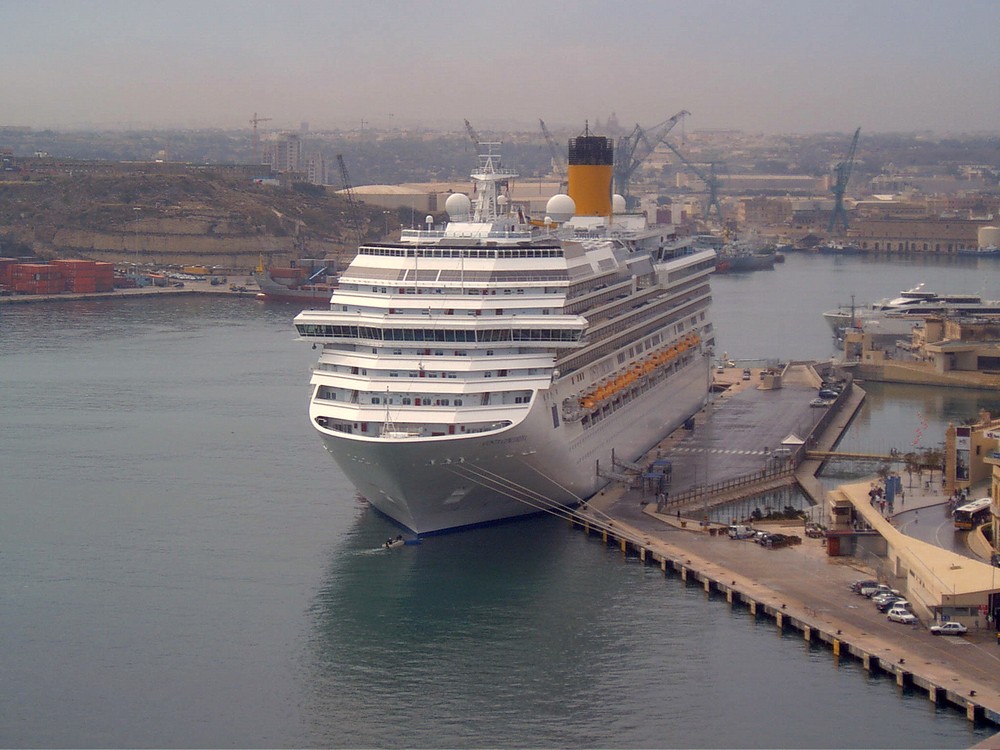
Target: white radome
560, 208
618, 204
458, 206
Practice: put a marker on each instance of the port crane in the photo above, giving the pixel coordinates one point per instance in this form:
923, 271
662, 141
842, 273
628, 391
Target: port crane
633, 149
256, 140
711, 182
472, 133
842, 173
352, 204
558, 158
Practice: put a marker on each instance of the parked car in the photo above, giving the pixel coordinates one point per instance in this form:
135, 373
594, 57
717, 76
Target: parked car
821, 402
881, 596
889, 602
859, 584
746, 373
873, 592
828, 393
949, 628
898, 614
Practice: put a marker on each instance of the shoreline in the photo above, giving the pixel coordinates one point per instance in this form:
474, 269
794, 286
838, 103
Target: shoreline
801, 587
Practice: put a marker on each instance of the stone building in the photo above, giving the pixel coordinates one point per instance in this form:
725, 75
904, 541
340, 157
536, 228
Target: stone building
915, 235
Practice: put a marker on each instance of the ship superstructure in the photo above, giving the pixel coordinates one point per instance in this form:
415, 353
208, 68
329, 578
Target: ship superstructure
489, 367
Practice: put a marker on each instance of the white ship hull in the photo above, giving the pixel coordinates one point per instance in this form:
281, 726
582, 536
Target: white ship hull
456, 481
491, 368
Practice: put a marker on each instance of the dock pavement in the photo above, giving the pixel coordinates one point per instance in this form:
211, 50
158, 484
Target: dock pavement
802, 587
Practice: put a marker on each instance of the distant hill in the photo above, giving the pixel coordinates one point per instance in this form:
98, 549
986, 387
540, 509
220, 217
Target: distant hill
172, 214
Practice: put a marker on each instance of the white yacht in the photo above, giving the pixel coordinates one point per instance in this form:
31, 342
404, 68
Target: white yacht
899, 315
495, 366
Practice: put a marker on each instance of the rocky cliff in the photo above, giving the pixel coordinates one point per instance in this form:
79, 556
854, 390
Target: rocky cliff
195, 216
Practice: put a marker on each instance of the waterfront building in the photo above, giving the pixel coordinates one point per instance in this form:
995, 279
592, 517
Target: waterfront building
992, 460
966, 450
915, 235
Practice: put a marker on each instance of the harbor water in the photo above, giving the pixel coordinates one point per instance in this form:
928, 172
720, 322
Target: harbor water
182, 565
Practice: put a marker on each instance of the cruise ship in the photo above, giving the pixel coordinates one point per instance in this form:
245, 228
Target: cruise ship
498, 366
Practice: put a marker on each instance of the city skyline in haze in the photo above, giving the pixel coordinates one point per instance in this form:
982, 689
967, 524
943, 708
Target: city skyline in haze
770, 67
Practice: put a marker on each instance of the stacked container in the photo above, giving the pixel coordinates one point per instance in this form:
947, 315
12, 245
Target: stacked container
79, 274
7, 272
38, 278
105, 276
86, 275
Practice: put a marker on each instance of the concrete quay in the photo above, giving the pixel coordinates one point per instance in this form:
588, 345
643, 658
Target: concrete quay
196, 287
799, 587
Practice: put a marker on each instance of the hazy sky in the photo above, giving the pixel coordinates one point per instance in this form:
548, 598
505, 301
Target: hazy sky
779, 66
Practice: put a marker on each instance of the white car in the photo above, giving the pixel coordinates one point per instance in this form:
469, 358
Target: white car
898, 614
949, 628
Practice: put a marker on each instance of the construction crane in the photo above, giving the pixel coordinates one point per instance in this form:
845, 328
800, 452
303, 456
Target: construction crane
352, 204
842, 172
256, 140
558, 158
472, 133
633, 149
711, 183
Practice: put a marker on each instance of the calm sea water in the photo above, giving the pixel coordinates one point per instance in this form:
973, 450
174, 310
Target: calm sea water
181, 565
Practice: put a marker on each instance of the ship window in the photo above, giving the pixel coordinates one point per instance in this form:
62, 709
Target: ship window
376, 400
458, 402
406, 401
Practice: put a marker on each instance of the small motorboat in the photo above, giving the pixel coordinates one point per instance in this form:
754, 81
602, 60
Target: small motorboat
391, 543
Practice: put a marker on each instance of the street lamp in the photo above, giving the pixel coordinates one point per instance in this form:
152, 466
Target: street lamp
135, 227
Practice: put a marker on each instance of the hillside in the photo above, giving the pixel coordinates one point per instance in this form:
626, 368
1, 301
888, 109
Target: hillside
164, 215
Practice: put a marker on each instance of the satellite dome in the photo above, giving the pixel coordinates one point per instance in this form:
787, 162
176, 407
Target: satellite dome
458, 206
618, 204
561, 208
